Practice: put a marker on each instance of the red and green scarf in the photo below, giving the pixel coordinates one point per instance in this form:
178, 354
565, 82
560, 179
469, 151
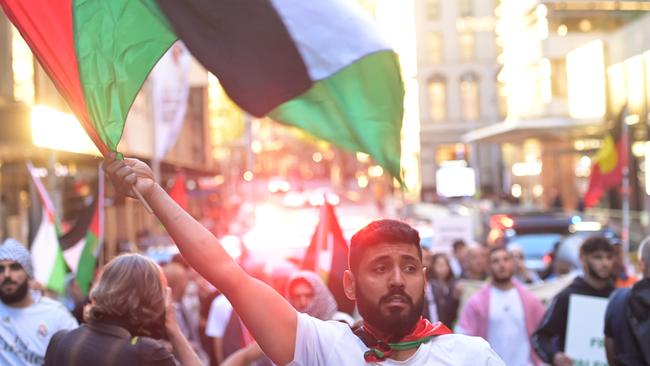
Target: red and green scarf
380, 349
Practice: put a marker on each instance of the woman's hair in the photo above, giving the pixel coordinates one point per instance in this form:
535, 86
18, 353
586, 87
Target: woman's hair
130, 290
444, 257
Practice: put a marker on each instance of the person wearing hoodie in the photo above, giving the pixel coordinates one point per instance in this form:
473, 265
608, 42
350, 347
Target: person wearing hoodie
308, 294
596, 255
627, 319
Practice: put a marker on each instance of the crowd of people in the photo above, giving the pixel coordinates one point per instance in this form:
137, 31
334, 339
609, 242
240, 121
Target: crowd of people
413, 306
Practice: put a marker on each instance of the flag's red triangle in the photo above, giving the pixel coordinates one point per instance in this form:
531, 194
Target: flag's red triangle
328, 228
47, 27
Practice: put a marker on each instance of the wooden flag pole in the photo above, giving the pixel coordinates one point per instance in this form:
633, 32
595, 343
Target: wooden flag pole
143, 201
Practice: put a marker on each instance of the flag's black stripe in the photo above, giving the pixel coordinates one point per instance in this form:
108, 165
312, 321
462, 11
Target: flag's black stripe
80, 228
246, 45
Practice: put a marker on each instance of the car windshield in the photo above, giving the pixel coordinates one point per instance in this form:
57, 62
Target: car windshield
535, 245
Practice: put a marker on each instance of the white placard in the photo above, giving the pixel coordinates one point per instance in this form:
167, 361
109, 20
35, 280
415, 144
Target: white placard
447, 229
455, 181
585, 338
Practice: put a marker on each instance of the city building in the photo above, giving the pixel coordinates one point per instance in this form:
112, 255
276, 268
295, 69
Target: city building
457, 77
567, 70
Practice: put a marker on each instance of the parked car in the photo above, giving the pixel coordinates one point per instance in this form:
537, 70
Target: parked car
535, 233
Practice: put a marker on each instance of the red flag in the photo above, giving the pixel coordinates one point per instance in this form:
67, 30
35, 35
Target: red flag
327, 256
178, 192
608, 164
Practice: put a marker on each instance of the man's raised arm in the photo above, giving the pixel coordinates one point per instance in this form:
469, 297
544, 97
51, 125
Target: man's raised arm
252, 299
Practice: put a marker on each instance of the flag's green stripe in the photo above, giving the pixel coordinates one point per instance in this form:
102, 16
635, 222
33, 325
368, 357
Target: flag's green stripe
87, 262
56, 282
359, 109
117, 43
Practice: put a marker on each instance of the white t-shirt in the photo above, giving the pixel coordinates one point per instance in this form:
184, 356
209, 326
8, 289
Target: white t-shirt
218, 317
507, 325
333, 343
26, 332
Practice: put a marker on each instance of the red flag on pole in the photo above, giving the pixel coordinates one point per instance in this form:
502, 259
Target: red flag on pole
178, 192
609, 162
327, 256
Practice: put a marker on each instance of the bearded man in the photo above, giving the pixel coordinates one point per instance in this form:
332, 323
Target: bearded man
596, 255
27, 319
386, 278
503, 310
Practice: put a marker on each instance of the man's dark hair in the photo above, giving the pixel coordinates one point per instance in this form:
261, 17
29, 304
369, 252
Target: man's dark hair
378, 232
457, 244
596, 243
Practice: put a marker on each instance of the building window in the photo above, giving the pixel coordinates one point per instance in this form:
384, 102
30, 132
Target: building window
437, 91
432, 9
559, 78
434, 47
469, 97
502, 98
466, 8
467, 46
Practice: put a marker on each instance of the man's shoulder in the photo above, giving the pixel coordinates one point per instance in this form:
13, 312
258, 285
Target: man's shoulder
326, 329
617, 300
461, 341
480, 295
49, 305
464, 348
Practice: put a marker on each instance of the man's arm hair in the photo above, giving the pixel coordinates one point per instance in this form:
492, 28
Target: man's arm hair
275, 334
546, 338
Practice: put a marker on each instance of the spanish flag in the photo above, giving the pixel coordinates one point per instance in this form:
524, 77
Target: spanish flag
608, 165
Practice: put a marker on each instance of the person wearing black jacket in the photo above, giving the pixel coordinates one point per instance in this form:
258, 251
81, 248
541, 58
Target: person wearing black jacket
596, 255
627, 319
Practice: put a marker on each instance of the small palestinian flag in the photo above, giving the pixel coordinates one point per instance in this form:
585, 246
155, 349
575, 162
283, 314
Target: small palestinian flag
49, 266
82, 243
318, 65
327, 255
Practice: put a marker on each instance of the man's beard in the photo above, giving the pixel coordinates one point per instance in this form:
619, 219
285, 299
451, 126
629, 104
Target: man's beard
16, 296
396, 325
502, 279
593, 273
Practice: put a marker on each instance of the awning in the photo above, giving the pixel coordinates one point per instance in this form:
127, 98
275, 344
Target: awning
552, 128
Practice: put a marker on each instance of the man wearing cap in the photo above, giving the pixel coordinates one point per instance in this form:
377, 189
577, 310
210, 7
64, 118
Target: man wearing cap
27, 319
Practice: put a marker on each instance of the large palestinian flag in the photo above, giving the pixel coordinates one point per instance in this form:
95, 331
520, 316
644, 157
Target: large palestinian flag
318, 65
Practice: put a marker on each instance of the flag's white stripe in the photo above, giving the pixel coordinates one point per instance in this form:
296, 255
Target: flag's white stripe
44, 249
73, 254
329, 46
